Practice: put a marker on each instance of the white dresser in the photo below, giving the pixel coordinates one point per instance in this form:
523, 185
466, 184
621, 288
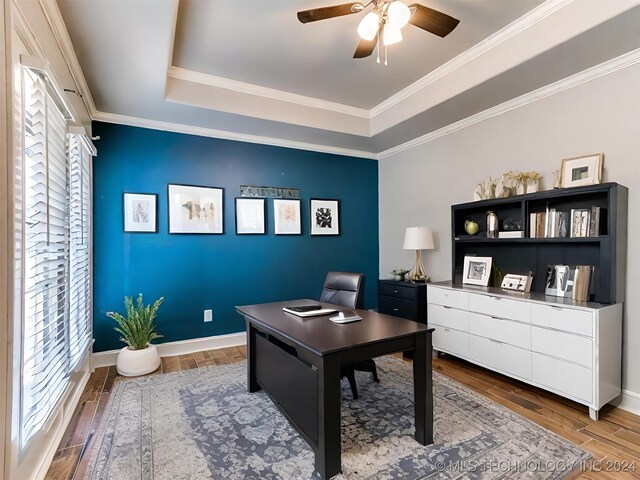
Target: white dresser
569, 348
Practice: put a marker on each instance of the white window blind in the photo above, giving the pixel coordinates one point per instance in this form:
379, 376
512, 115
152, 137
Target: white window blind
56, 212
80, 258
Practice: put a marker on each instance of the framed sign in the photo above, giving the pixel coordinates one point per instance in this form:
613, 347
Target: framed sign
195, 209
250, 216
325, 218
140, 212
286, 217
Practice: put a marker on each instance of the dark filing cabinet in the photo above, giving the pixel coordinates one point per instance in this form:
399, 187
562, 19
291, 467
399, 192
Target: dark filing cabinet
403, 299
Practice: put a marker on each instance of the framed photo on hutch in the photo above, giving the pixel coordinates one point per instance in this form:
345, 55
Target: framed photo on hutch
140, 212
477, 270
195, 209
250, 216
325, 218
578, 171
286, 217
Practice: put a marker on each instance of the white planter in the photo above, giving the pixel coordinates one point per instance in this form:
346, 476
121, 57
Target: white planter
131, 363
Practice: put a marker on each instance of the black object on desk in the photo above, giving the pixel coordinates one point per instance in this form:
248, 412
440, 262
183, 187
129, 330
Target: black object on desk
316, 349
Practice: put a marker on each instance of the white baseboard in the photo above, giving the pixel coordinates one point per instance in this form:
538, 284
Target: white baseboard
629, 401
182, 347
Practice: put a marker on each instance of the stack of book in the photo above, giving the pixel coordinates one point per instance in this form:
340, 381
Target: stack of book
569, 281
580, 222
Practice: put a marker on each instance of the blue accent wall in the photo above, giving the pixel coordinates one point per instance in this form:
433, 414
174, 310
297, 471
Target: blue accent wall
198, 272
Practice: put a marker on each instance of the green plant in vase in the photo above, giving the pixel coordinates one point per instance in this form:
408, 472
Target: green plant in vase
399, 274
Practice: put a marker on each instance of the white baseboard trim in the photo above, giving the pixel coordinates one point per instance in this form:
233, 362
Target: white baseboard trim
182, 347
629, 401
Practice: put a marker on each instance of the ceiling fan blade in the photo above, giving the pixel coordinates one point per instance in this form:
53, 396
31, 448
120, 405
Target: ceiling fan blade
323, 13
432, 20
365, 47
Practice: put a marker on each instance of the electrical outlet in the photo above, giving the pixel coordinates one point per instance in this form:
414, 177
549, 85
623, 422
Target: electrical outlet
208, 315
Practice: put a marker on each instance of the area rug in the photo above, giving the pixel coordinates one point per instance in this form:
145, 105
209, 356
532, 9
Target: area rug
203, 424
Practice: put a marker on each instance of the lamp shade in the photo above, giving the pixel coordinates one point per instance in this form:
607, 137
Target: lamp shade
418, 238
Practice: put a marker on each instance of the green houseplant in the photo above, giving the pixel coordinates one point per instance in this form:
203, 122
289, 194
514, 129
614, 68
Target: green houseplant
139, 357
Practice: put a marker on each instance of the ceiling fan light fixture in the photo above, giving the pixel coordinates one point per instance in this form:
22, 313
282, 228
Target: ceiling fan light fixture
369, 26
391, 35
398, 15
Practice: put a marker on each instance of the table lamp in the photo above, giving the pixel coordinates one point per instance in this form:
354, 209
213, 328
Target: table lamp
418, 239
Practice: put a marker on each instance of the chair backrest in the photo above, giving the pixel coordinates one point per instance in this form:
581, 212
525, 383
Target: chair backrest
343, 288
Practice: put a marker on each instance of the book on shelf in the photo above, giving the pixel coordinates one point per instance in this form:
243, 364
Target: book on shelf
594, 222
511, 234
548, 224
541, 220
580, 222
569, 281
533, 230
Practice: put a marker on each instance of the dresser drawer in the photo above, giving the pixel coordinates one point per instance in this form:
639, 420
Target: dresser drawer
500, 307
564, 377
397, 291
397, 307
448, 317
562, 318
506, 331
448, 298
501, 356
451, 341
567, 346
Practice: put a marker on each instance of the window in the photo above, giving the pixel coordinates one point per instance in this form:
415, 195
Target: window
54, 219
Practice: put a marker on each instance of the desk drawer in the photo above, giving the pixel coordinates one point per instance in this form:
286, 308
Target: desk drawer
448, 298
564, 377
448, 317
397, 307
500, 307
451, 341
505, 331
503, 357
397, 291
567, 346
562, 318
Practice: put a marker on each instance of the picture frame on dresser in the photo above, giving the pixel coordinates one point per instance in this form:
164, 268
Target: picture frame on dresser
477, 270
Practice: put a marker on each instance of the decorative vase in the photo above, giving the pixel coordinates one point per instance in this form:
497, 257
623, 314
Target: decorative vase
532, 186
132, 363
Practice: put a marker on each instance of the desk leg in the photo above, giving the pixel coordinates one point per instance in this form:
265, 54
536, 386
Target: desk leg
252, 384
328, 459
423, 389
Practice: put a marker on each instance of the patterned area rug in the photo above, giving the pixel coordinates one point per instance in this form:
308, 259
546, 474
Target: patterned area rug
202, 424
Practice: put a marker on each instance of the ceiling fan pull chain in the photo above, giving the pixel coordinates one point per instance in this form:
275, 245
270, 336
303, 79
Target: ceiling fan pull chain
385, 55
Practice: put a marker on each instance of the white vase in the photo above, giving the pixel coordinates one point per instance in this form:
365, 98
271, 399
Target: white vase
131, 363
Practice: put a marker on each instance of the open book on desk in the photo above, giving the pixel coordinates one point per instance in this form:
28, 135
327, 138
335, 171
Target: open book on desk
308, 312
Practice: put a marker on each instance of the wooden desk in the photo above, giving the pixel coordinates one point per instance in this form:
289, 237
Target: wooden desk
297, 362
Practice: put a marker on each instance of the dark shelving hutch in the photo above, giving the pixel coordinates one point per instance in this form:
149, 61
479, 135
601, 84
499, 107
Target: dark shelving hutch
607, 251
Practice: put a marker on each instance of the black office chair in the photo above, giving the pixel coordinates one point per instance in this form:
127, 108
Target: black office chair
345, 288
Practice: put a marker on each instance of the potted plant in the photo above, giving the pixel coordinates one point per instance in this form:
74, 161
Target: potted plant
399, 274
139, 357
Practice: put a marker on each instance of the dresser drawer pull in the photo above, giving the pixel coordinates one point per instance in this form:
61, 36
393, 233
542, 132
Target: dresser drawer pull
556, 307
446, 330
494, 298
496, 318
448, 308
496, 341
395, 291
396, 309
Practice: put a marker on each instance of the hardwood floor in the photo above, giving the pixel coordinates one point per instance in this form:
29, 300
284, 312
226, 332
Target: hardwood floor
614, 440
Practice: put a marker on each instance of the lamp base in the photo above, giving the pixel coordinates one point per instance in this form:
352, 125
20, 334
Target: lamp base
417, 274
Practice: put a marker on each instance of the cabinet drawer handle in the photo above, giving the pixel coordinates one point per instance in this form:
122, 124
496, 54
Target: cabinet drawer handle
496, 341
395, 291
396, 309
556, 307
446, 330
496, 318
494, 298
448, 308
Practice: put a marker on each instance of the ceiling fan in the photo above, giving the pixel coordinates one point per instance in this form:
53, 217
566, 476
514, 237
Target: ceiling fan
382, 26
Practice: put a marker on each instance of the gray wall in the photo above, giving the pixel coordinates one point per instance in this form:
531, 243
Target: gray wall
418, 186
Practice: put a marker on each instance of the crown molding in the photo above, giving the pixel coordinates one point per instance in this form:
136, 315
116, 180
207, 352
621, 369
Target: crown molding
225, 135
265, 92
59, 28
547, 8
611, 66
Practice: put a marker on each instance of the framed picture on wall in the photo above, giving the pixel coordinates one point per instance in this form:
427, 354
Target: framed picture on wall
325, 218
286, 217
140, 212
250, 216
477, 270
578, 171
196, 209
